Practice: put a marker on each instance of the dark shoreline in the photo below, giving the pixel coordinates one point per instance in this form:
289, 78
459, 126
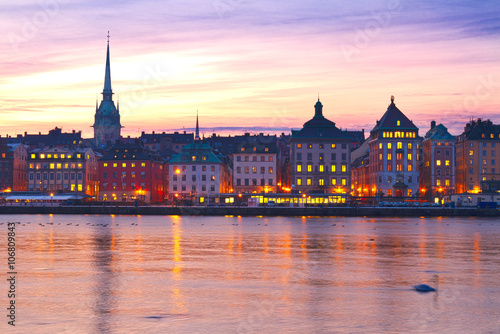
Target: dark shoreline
252, 211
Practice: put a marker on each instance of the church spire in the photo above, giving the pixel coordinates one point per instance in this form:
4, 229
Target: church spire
318, 109
197, 135
107, 93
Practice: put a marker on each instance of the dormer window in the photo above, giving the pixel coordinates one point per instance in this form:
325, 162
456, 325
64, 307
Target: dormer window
398, 123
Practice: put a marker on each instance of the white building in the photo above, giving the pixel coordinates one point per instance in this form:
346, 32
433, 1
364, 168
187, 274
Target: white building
255, 168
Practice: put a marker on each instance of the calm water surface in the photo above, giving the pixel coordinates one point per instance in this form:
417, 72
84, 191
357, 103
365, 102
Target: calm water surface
171, 274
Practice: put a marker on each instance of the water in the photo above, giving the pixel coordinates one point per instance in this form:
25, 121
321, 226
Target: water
154, 274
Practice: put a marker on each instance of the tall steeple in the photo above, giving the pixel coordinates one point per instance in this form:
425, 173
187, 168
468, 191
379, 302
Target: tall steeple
107, 93
197, 135
107, 127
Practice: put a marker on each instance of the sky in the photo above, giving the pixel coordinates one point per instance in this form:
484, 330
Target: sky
247, 66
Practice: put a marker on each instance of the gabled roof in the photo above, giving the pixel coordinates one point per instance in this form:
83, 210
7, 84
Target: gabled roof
439, 132
319, 127
389, 120
196, 153
126, 152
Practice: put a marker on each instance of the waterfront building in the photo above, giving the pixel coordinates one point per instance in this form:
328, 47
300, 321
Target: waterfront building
166, 143
55, 137
107, 127
437, 173
59, 169
360, 171
394, 155
477, 150
255, 168
128, 173
321, 156
197, 175
13, 163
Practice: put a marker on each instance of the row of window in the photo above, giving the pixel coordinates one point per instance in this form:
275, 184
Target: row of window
399, 167
321, 146
58, 156
321, 168
321, 182
399, 146
270, 170
399, 156
124, 164
246, 182
409, 179
114, 186
193, 178
193, 188
322, 156
65, 187
61, 176
398, 134
193, 168
254, 158
123, 175
55, 166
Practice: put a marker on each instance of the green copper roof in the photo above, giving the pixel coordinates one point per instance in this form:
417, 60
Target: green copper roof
195, 153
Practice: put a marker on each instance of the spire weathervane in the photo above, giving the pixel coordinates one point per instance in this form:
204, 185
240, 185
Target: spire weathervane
108, 36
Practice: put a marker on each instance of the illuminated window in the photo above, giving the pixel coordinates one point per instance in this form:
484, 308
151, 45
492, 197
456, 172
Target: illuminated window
438, 162
105, 164
344, 168
389, 146
438, 183
334, 182
389, 156
59, 166
344, 181
299, 145
49, 156
398, 123
321, 168
471, 152
299, 168
400, 145
80, 187
52, 166
242, 149
334, 145
409, 156
334, 168
143, 164
270, 170
447, 183
193, 158
254, 170
409, 192
115, 164
447, 163
42, 156
309, 168
78, 156
380, 156
308, 181
133, 165
409, 146
321, 182
380, 146
410, 167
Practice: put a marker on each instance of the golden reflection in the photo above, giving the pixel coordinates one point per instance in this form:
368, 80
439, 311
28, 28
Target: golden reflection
178, 298
477, 258
285, 247
177, 235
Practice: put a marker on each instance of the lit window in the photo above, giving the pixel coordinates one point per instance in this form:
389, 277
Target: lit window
438, 183
321, 182
380, 146
334, 182
33, 156
105, 164
308, 181
321, 168
115, 164
193, 158
143, 164
344, 181
56, 156
398, 123
447, 183
389, 146
344, 168
409, 156
299, 145
299, 168
447, 163
78, 156
380, 156
400, 145
309, 168
63, 156
299, 181
52, 166
334, 145
133, 164
409, 146
471, 152
42, 156
334, 168
389, 156
438, 162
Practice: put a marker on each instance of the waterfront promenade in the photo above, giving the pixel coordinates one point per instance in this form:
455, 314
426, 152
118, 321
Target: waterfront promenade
251, 211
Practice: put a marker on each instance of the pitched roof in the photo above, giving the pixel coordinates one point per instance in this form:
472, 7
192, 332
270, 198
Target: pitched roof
439, 132
320, 127
195, 153
391, 117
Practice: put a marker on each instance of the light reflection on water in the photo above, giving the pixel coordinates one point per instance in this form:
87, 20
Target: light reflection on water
127, 274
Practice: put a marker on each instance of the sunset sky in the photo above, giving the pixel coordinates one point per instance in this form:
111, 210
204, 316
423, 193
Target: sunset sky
255, 65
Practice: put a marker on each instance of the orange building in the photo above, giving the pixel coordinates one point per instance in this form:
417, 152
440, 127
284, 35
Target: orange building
477, 150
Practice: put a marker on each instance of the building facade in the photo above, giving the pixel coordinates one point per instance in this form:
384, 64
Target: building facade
320, 156
255, 169
63, 170
13, 164
477, 150
393, 155
127, 173
437, 173
107, 127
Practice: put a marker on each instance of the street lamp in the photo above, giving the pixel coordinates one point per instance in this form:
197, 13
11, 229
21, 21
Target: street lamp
51, 199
